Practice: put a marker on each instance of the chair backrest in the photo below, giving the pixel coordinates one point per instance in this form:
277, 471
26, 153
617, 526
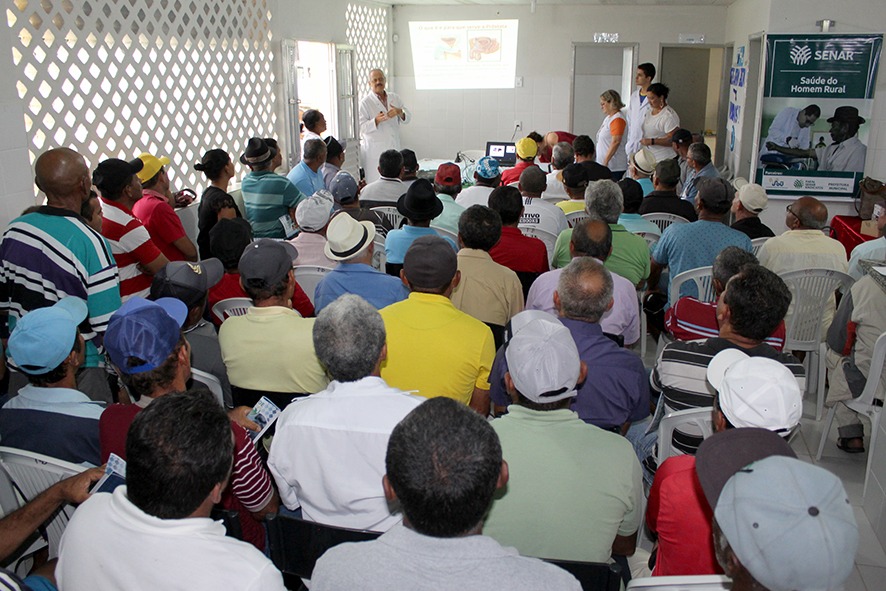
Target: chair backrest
224, 309
811, 289
575, 217
296, 544
549, 238
390, 213
704, 284
593, 576
212, 383
682, 583
663, 220
378, 253
757, 243
872, 385
651, 239
33, 473
700, 418
308, 276
444, 233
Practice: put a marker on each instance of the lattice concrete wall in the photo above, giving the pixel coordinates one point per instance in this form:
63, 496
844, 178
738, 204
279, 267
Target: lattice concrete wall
113, 78
367, 31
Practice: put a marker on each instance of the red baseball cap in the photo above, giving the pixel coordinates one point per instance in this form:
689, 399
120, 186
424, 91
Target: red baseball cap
448, 175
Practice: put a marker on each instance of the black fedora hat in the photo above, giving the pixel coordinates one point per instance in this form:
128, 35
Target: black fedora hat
420, 201
257, 152
846, 115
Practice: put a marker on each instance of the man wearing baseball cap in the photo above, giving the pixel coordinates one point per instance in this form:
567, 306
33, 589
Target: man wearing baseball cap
269, 351
154, 209
312, 216
487, 176
575, 181
527, 149
49, 415
346, 191
575, 490
752, 392
350, 244
779, 523
135, 252
749, 202
447, 185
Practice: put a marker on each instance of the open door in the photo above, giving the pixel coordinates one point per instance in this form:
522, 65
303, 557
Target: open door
347, 106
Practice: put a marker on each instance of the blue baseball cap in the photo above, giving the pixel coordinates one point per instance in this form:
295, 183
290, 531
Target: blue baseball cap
145, 330
44, 337
488, 168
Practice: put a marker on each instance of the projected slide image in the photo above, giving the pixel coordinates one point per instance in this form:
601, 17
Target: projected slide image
485, 46
450, 47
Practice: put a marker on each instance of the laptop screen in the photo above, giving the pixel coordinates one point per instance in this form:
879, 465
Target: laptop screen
504, 152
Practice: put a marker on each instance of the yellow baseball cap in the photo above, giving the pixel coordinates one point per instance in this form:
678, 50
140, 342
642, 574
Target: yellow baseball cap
152, 166
527, 148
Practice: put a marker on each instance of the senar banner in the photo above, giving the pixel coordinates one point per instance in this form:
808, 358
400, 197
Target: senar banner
817, 101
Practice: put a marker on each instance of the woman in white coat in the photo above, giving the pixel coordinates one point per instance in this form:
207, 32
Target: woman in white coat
381, 114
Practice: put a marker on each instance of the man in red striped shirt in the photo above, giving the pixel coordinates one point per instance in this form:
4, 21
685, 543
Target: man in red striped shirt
137, 257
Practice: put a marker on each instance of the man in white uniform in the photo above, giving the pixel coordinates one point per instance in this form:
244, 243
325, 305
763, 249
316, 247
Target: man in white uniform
381, 114
638, 107
791, 128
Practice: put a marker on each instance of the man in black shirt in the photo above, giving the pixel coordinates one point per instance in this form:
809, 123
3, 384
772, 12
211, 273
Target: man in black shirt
664, 198
750, 200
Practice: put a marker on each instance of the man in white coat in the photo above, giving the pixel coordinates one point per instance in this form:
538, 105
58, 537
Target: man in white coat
381, 114
638, 107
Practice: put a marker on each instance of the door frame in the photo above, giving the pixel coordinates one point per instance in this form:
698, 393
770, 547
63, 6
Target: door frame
576, 44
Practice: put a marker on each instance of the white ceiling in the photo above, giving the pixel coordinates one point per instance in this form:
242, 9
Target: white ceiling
573, 2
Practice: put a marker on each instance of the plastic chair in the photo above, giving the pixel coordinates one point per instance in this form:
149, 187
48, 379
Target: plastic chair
549, 238
870, 403
212, 383
651, 239
308, 277
9, 502
593, 576
700, 418
575, 217
390, 213
704, 284
296, 544
811, 289
224, 309
33, 473
644, 327
683, 583
757, 243
663, 220
444, 233
378, 254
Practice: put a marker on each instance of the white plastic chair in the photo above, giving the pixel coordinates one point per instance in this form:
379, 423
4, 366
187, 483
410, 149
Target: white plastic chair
869, 404
212, 383
651, 239
704, 283
308, 277
644, 328
9, 502
224, 309
663, 220
700, 418
758, 243
682, 583
390, 213
378, 253
445, 233
575, 217
549, 238
811, 289
33, 473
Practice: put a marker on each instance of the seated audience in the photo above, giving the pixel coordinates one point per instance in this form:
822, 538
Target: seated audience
527, 149
306, 175
575, 181
527, 257
419, 205
586, 155
575, 490
443, 465
215, 203
154, 209
630, 218
50, 416
447, 185
267, 196
562, 156
335, 159
351, 244
664, 197
641, 166
538, 213
312, 216
409, 174
179, 453
751, 393
345, 191
487, 176
872, 250
593, 238
698, 160
488, 291
749, 202
329, 448
434, 349
690, 319
269, 349
755, 504
680, 142
616, 392
388, 188
190, 283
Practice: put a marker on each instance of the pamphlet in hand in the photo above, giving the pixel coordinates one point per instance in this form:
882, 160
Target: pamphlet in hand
288, 227
264, 413
114, 476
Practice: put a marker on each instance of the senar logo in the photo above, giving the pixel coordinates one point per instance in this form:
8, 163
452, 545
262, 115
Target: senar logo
800, 54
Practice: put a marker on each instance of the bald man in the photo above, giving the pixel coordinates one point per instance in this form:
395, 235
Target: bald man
52, 253
381, 114
804, 246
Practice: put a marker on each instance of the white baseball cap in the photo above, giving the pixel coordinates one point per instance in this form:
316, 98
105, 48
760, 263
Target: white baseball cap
753, 197
543, 360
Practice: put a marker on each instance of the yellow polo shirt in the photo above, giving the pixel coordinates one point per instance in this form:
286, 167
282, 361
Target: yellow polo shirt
434, 349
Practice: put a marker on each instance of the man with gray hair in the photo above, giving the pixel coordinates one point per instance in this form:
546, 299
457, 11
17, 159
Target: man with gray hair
616, 391
698, 161
630, 254
328, 456
561, 156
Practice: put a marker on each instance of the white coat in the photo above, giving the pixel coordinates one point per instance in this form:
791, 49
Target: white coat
636, 114
375, 139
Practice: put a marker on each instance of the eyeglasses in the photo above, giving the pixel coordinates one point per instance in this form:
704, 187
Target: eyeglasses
791, 211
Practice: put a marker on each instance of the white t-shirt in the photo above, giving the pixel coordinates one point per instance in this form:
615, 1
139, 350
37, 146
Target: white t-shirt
656, 126
476, 195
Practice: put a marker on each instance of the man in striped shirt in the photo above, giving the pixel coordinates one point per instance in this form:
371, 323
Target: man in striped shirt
138, 258
52, 253
267, 195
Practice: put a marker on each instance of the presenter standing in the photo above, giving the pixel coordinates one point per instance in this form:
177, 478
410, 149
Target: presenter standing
381, 114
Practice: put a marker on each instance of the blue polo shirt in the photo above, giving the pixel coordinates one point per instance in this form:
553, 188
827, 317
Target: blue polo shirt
306, 180
398, 242
379, 289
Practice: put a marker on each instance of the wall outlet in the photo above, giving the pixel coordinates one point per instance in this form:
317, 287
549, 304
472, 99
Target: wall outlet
518, 125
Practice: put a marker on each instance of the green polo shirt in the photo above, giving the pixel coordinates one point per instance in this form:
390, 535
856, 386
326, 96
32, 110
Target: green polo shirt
629, 258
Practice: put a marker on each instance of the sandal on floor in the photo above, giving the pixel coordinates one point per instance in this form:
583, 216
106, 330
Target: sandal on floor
843, 444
